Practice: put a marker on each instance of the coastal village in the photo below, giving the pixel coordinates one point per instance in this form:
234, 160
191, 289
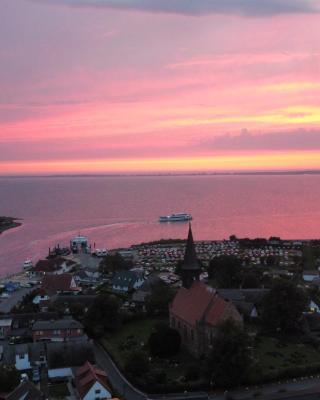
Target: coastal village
80, 322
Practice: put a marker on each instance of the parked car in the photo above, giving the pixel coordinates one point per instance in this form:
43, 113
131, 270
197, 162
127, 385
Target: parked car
36, 375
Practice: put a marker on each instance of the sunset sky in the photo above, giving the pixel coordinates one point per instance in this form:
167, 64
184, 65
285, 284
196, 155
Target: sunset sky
120, 86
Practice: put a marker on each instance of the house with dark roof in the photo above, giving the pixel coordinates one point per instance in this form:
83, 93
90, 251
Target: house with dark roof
52, 266
139, 296
247, 301
92, 383
25, 391
126, 281
63, 283
5, 327
24, 356
57, 331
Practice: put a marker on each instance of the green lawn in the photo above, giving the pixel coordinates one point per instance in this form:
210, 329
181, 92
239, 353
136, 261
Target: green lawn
134, 336
273, 356
59, 391
131, 336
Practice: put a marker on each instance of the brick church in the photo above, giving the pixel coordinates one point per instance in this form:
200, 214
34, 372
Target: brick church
197, 309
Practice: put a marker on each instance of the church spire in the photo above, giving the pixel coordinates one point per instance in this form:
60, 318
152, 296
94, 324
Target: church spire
190, 268
190, 255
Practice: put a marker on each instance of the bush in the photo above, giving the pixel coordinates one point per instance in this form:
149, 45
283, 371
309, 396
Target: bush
192, 373
9, 378
164, 342
137, 364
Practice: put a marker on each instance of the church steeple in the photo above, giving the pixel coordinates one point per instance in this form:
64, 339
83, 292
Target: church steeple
190, 269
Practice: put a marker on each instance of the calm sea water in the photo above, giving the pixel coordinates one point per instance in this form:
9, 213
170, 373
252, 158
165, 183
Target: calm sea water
120, 211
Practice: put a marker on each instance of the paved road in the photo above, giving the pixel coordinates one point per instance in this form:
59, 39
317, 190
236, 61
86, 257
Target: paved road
298, 389
7, 304
118, 381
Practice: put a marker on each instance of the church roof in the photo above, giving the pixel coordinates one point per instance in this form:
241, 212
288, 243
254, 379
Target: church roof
199, 303
190, 261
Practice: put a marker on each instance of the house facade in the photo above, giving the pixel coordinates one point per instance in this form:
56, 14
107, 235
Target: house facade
57, 331
5, 327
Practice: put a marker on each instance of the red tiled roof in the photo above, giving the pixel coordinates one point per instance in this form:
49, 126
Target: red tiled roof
87, 375
200, 302
57, 283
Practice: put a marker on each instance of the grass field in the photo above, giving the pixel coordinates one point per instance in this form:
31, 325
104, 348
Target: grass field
131, 336
134, 336
276, 357
59, 391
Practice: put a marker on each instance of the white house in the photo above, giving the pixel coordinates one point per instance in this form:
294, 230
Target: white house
126, 281
92, 383
39, 298
22, 361
309, 276
314, 307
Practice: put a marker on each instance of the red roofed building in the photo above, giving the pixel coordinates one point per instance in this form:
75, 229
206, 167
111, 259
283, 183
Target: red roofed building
92, 383
63, 283
196, 312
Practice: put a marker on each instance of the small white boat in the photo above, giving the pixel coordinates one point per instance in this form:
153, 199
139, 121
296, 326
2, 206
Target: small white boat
176, 217
27, 265
101, 253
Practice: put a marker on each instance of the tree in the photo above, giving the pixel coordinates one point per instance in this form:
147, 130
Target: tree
103, 315
9, 378
137, 364
164, 342
114, 262
157, 303
250, 281
225, 271
229, 361
26, 305
77, 310
283, 306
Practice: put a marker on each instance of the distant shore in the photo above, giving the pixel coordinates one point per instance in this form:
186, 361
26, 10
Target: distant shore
8, 223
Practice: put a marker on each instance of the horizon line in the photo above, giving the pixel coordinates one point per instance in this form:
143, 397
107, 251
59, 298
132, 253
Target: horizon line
168, 174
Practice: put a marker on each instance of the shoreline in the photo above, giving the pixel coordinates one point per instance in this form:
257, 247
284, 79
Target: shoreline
7, 223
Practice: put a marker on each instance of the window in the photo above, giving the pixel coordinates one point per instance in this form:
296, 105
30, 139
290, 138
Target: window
211, 338
21, 356
98, 391
173, 322
185, 332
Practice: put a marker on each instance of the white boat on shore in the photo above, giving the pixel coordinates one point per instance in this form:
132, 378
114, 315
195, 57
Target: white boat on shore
176, 217
27, 265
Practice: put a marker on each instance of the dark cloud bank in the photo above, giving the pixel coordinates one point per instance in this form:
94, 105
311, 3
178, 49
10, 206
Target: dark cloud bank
202, 7
283, 141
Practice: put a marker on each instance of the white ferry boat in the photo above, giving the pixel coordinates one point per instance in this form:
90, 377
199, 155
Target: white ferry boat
176, 217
